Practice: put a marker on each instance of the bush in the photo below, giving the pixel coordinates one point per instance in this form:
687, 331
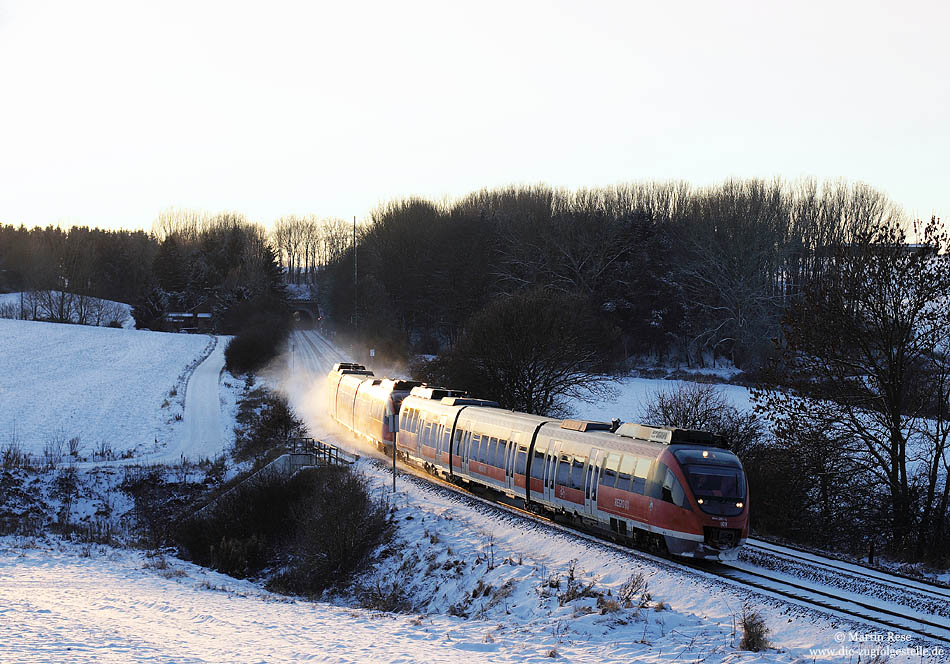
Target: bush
267, 421
754, 631
337, 526
159, 505
22, 508
260, 327
633, 590
317, 528
13, 456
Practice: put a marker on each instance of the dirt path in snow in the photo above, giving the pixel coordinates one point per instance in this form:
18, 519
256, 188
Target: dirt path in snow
202, 436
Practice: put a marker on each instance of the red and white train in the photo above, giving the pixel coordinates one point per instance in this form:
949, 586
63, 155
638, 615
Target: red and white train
653, 486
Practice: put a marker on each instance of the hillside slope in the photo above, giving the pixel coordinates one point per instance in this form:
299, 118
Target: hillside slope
113, 389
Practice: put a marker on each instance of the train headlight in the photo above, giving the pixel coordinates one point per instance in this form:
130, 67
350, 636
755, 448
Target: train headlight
699, 500
705, 453
739, 504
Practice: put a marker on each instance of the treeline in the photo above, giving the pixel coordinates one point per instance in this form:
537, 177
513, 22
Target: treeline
308, 243
222, 265
682, 273
112, 265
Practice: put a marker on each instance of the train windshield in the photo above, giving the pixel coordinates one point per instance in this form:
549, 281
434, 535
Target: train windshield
716, 482
719, 490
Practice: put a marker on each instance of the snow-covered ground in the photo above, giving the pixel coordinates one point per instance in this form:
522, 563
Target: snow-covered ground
482, 585
630, 395
112, 389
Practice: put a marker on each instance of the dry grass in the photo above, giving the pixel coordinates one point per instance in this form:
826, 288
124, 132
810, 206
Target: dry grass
754, 631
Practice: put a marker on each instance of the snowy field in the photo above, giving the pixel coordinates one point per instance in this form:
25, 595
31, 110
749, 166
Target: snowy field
630, 395
475, 584
112, 389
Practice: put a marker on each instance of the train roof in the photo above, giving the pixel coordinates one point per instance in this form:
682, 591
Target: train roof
348, 366
670, 435
397, 385
586, 425
465, 401
424, 391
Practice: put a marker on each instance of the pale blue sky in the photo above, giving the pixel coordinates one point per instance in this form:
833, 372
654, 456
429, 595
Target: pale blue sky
113, 111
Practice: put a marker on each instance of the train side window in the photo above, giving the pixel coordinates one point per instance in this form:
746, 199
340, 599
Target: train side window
627, 465
458, 441
537, 465
640, 476
502, 457
564, 471
609, 475
492, 457
655, 480
577, 473
466, 445
473, 448
667, 486
673, 490
486, 452
522, 461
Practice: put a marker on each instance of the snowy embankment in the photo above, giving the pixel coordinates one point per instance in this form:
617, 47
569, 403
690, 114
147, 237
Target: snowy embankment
116, 393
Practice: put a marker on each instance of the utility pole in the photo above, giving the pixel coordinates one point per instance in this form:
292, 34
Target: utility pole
356, 320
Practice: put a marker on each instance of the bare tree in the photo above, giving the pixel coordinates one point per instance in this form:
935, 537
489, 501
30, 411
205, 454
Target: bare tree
529, 352
870, 340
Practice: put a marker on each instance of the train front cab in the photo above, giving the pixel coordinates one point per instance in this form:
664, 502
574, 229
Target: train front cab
637, 490
718, 493
342, 384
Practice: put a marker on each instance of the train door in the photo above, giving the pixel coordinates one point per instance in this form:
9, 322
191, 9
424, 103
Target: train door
592, 476
458, 449
550, 467
513, 440
389, 422
442, 445
469, 445
538, 469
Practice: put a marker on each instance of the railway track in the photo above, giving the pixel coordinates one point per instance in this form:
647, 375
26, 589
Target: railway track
927, 627
937, 590
865, 611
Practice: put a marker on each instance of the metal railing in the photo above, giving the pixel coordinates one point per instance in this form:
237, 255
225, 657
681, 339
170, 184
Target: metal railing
324, 453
